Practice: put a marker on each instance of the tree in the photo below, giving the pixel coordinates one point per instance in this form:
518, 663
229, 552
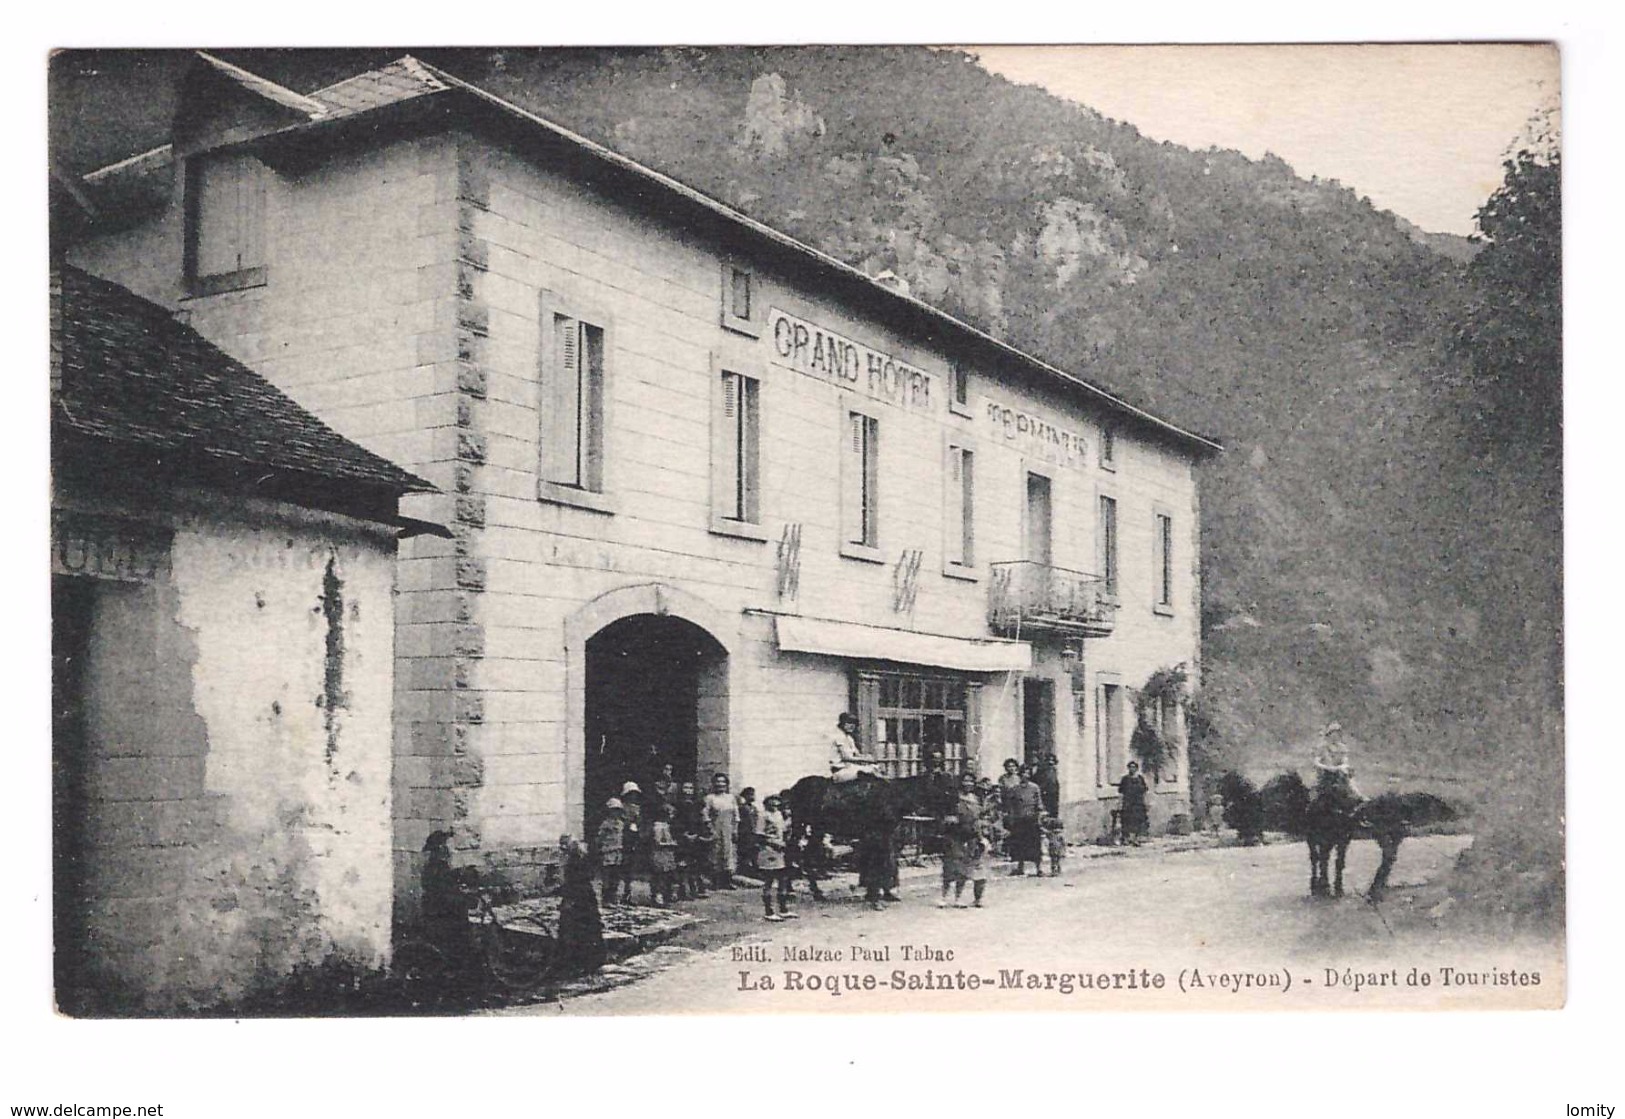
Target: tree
1512, 336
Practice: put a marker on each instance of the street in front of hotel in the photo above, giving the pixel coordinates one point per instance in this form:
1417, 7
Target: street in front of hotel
1233, 926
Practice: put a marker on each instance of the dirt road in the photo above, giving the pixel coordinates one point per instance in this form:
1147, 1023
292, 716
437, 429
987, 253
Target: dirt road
1223, 928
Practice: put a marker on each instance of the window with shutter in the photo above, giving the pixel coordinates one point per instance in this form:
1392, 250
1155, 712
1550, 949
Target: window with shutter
1108, 544
741, 310
563, 448
225, 223
860, 482
959, 507
1163, 547
737, 453
572, 395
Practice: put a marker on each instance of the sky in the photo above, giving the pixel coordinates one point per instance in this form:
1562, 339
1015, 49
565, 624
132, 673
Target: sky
1420, 129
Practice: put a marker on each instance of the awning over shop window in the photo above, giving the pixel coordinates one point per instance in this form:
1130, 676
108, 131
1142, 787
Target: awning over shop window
847, 639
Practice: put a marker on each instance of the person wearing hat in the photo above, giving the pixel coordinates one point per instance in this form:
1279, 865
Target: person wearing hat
1333, 774
847, 761
609, 849
448, 894
634, 849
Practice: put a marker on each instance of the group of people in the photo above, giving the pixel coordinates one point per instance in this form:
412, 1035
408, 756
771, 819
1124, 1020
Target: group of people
689, 845
686, 844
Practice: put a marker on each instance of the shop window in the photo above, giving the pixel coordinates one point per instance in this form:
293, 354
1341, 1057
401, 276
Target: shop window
918, 716
225, 223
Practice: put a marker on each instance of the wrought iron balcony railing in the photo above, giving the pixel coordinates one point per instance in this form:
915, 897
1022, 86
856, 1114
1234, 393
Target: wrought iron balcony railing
1026, 596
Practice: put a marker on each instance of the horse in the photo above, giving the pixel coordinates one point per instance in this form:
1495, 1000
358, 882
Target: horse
1331, 823
866, 811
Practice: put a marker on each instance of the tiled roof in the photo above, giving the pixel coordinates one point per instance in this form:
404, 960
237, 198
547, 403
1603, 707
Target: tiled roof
131, 375
401, 80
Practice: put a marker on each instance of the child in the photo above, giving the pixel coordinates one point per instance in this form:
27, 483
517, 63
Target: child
693, 842
770, 861
663, 856
1054, 843
610, 845
749, 816
964, 860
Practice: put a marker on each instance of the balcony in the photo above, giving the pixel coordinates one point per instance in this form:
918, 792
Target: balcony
1028, 597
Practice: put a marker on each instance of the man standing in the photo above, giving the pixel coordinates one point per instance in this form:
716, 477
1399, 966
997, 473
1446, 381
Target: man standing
1048, 779
1025, 803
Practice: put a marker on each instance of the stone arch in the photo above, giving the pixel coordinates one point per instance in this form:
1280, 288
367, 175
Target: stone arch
716, 683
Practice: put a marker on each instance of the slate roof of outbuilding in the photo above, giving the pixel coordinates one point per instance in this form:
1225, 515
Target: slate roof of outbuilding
134, 376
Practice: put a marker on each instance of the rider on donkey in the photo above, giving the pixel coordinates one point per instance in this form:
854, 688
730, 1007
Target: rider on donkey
846, 757
1334, 775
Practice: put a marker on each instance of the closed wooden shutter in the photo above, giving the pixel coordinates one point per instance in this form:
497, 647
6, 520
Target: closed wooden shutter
871, 481
590, 424
750, 432
228, 214
561, 449
728, 449
852, 479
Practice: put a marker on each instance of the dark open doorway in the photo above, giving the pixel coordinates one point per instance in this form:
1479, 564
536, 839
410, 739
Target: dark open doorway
73, 603
656, 693
1037, 719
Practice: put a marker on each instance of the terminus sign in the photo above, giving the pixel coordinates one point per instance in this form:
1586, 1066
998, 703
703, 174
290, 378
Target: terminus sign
821, 353
1037, 436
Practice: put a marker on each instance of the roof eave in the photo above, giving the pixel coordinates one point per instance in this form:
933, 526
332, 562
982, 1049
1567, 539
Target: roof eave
423, 107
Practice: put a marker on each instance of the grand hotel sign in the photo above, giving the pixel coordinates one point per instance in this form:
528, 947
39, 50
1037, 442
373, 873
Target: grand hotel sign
817, 352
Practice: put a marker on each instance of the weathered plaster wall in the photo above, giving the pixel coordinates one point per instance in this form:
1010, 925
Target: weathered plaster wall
237, 799
295, 646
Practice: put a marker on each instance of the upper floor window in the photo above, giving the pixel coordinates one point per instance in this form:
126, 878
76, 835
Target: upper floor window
225, 222
574, 366
738, 451
1108, 449
1108, 544
1162, 543
860, 483
741, 308
959, 397
959, 507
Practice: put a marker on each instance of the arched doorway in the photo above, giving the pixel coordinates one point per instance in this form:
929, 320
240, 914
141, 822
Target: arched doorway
651, 698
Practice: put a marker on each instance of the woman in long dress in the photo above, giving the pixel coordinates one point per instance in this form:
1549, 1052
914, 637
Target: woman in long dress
722, 813
1136, 817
